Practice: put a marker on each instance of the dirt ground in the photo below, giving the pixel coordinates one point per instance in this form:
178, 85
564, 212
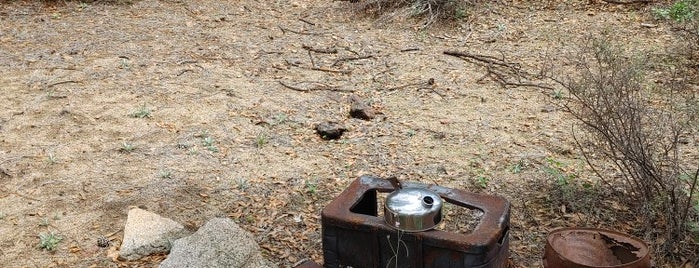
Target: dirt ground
177, 107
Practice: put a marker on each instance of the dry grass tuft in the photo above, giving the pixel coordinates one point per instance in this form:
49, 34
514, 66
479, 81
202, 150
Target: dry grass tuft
428, 12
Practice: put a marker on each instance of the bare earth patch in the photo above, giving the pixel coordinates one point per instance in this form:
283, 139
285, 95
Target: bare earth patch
203, 109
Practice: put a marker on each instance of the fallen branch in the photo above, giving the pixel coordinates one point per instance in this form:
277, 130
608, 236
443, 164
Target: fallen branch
62, 82
340, 60
429, 84
317, 87
313, 62
109, 236
20, 195
483, 58
184, 71
262, 52
501, 78
320, 50
500, 70
331, 70
307, 21
405, 85
186, 62
284, 30
425, 84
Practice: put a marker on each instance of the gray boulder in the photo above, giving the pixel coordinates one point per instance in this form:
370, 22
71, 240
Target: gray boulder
219, 243
148, 233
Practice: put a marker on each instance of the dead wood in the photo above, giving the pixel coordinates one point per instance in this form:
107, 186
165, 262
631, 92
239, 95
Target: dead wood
322, 69
429, 85
500, 70
307, 22
61, 82
316, 87
344, 59
320, 50
284, 30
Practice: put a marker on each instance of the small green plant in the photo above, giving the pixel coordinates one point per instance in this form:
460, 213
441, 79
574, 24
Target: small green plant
558, 94
44, 222
517, 168
166, 174
312, 186
680, 11
56, 216
49, 241
2, 215
460, 13
555, 169
51, 94
482, 181
279, 118
142, 112
124, 64
249, 219
127, 147
501, 27
51, 159
208, 142
411, 132
242, 184
261, 140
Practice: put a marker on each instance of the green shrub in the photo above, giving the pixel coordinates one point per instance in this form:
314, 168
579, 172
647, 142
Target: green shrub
49, 241
637, 128
680, 11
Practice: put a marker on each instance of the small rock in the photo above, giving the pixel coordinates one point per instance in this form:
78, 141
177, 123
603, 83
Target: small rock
439, 135
103, 242
548, 109
219, 243
148, 233
330, 130
361, 110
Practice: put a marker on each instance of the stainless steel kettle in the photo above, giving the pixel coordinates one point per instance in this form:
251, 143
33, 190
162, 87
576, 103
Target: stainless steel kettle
412, 209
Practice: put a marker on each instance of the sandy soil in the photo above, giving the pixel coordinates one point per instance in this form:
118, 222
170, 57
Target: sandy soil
177, 107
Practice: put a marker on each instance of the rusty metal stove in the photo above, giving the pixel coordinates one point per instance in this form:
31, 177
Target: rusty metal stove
354, 235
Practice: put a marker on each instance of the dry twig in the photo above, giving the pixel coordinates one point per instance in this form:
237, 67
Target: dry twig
500, 70
284, 30
340, 60
322, 69
307, 21
317, 87
62, 82
320, 50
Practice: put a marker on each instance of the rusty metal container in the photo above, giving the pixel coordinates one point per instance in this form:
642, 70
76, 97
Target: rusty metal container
355, 236
590, 248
